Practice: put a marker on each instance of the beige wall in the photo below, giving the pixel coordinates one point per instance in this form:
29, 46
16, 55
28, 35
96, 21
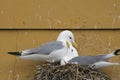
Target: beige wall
59, 13
30, 23
90, 42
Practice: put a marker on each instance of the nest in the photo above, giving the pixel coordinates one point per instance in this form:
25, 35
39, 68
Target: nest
68, 72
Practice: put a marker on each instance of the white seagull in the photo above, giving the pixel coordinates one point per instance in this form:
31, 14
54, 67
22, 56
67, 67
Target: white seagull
97, 61
72, 52
51, 51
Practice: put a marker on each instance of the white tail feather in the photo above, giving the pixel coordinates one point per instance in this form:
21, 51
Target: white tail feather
103, 64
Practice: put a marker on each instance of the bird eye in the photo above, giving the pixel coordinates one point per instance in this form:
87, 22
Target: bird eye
70, 37
72, 50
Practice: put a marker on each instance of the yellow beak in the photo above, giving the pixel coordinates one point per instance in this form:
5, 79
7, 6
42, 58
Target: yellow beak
74, 45
68, 45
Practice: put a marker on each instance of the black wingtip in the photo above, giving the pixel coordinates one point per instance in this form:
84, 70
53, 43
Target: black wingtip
117, 52
15, 53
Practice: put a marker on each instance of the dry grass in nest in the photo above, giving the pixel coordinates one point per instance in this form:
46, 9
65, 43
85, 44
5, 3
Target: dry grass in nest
68, 72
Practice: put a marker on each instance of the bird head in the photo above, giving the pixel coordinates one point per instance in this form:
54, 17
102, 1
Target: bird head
68, 36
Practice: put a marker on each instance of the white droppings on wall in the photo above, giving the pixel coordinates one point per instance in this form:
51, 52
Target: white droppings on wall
26, 33
109, 45
119, 17
33, 42
58, 22
113, 22
95, 27
10, 74
40, 18
18, 77
49, 21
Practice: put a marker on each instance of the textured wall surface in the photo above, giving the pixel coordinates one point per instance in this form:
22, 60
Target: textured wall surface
29, 23
90, 42
60, 13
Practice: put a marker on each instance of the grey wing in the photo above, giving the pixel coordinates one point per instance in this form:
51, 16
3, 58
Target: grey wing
84, 60
102, 57
45, 49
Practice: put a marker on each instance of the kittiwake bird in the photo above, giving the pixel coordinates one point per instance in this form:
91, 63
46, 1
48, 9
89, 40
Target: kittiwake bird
72, 52
98, 61
50, 51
